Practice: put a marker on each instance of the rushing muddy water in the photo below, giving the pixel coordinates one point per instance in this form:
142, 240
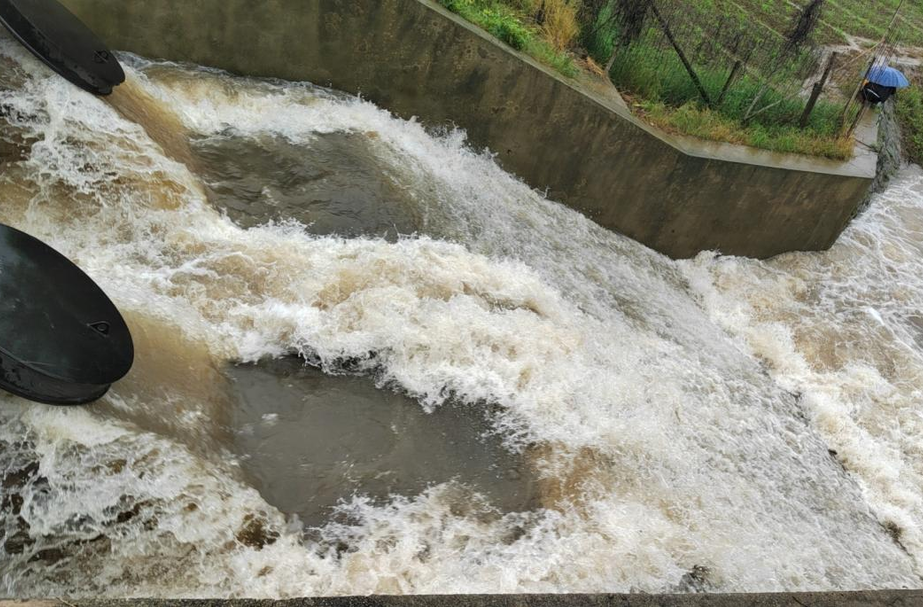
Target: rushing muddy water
604, 419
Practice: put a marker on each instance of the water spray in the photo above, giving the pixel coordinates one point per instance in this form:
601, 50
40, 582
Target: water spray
62, 341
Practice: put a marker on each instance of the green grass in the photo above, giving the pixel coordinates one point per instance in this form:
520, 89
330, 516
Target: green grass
864, 18
692, 119
870, 19
600, 40
667, 98
507, 21
910, 114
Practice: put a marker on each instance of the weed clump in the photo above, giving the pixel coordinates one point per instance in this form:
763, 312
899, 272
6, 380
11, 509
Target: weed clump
559, 24
543, 29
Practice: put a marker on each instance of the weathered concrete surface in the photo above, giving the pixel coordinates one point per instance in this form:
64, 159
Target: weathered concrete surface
888, 144
889, 598
674, 194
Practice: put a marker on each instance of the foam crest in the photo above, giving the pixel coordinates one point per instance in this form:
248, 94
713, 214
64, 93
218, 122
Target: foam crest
672, 462
841, 327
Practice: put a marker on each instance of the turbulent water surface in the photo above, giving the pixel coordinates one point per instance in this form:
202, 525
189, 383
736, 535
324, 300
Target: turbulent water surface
603, 419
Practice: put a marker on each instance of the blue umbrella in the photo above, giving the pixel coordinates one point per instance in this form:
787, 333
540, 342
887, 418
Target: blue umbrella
888, 76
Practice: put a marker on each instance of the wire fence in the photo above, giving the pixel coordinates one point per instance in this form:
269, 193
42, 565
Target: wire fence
887, 51
758, 66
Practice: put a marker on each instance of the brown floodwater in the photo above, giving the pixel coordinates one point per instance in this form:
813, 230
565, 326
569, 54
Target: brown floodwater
654, 402
305, 439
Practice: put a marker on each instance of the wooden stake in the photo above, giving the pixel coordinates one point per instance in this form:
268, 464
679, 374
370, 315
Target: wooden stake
682, 56
818, 89
727, 85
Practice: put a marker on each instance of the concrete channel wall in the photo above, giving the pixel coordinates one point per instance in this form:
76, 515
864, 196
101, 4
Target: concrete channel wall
888, 598
675, 194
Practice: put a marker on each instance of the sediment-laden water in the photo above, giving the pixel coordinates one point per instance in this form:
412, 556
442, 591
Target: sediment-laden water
603, 419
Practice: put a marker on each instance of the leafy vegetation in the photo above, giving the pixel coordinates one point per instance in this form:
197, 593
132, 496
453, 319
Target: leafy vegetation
741, 77
910, 114
512, 21
692, 119
600, 38
665, 95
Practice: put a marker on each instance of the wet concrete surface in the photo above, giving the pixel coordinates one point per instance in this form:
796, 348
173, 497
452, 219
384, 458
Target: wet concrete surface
884, 598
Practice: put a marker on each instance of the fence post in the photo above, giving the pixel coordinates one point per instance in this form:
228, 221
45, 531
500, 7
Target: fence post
682, 55
727, 85
818, 89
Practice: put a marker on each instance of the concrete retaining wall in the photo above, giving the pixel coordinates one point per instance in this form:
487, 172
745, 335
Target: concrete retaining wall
674, 194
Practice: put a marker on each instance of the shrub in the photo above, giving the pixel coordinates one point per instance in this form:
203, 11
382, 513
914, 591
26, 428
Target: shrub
501, 19
560, 22
506, 27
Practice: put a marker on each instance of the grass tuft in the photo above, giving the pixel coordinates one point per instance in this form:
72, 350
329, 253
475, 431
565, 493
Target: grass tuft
560, 27
669, 99
692, 119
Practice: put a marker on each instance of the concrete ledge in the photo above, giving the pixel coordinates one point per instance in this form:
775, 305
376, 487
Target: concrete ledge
675, 194
887, 598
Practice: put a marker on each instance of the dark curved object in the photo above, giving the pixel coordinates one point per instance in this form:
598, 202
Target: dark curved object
62, 341
877, 93
53, 34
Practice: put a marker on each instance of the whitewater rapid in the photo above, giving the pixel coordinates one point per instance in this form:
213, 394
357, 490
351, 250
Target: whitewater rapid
715, 424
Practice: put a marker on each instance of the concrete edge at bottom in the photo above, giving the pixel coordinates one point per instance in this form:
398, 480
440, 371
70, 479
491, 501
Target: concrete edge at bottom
880, 598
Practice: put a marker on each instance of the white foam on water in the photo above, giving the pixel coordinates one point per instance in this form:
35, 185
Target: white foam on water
844, 328
673, 461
